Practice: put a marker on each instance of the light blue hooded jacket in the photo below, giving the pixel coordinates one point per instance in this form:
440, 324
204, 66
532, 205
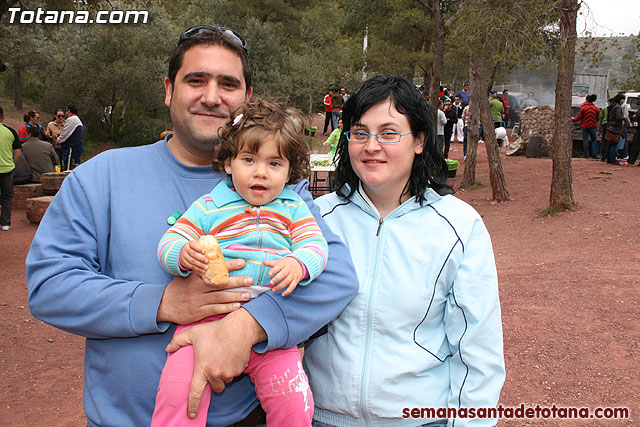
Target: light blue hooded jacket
424, 329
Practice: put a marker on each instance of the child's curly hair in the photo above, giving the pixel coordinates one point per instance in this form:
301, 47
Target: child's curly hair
261, 119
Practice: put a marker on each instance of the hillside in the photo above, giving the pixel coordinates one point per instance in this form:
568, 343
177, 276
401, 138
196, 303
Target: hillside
611, 58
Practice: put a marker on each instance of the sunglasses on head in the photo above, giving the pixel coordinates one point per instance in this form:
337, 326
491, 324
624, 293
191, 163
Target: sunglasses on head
198, 29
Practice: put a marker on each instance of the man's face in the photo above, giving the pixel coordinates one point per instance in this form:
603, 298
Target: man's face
343, 91
208, 87
466, 88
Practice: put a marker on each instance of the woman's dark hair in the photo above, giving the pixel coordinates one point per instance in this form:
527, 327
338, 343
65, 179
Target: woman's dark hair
29, 115
429, 169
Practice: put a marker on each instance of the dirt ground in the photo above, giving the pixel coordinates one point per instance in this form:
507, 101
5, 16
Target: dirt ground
569, 287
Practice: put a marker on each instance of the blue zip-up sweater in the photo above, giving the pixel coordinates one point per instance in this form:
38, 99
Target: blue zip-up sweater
92, 270
425, 328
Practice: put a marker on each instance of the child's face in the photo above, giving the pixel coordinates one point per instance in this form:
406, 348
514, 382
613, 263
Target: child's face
259, 177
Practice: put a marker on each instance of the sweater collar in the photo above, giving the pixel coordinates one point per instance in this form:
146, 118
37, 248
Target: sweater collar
360, 198
223, 195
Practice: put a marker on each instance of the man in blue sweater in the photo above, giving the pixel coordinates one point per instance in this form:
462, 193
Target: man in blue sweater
100, 278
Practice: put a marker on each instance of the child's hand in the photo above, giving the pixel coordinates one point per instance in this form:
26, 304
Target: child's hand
192, 257
287, 272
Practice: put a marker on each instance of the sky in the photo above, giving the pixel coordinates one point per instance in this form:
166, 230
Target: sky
609, 17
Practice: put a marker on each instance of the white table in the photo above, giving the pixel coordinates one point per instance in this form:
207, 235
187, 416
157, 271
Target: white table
319, 185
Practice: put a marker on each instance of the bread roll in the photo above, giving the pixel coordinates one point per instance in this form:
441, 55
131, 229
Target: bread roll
216, 272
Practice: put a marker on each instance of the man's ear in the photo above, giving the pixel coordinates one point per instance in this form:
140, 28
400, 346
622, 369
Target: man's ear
168, 91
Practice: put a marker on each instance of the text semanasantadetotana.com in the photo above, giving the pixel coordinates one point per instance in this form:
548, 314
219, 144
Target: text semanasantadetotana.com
518, 412
41, 16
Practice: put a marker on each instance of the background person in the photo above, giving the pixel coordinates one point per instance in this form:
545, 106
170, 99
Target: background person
333, 139
101, 279
328, 108
602, 130
336, 109
614, 127
452, 119
32, 118
72, 138
441, 121
54, 129
39, 154
425, 328
9, 156
588, 118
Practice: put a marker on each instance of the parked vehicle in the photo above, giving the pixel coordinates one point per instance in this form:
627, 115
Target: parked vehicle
586, 84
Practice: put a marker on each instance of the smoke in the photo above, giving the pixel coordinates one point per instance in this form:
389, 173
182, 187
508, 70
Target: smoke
540, 81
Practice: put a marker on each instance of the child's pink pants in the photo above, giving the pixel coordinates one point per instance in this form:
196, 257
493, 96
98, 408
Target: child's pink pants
281, 386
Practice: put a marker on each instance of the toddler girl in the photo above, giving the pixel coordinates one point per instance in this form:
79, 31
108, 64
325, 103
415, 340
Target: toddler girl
254, 216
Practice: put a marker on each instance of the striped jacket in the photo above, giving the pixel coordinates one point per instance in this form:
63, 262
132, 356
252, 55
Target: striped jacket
283, 227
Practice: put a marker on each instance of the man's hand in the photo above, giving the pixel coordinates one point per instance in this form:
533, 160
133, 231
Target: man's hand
188, 299
222, 349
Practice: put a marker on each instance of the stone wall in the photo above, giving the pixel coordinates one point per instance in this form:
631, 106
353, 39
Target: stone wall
535, 122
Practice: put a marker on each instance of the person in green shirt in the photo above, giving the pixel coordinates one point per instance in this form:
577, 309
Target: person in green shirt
602, 129
9, 155
497, 109
333, 139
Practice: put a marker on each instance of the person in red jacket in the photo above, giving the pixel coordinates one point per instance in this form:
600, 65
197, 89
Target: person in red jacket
328, 108
588, 118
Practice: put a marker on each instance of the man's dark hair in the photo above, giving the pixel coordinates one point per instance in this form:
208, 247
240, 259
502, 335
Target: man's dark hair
210, 37
592, 97
33, 131
429, 169
619, 97
73, 108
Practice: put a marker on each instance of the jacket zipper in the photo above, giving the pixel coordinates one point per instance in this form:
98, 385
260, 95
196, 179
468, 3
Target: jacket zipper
379, 226
367, 350
257, 208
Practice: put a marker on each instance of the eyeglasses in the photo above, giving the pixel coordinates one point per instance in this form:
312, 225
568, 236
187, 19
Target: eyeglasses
382, 137
61, 116
198, 29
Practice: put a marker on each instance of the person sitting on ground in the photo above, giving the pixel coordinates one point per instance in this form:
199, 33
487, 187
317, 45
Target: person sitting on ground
40, 155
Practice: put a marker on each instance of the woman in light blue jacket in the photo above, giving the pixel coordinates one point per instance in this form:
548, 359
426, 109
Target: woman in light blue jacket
423, 337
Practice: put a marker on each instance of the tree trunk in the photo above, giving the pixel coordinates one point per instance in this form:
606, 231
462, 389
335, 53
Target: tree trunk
438, 56
498, 186
17, 84
473, 130
561, 196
